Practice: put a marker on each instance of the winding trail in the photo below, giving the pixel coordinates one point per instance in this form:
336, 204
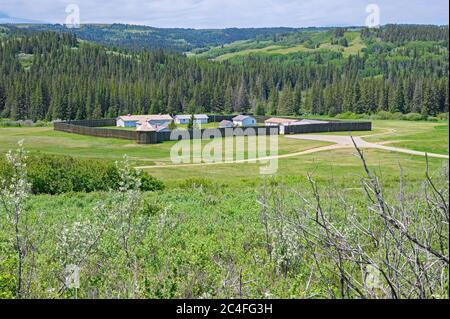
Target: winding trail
346, 142
339, 142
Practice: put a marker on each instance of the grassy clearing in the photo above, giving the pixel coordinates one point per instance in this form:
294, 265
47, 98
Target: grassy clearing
420, 136
340, 164
323, 39
48, 141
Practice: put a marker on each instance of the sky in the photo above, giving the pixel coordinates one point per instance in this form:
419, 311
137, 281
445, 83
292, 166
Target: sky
228, 13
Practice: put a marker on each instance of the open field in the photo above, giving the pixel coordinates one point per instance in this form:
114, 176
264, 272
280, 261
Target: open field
48, 141
419, 136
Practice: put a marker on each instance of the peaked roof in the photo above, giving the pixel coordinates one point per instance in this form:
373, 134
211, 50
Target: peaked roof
201, 116
241, 117
147, 127
280, 120
188, 117
313, 122
137, 118
183, 117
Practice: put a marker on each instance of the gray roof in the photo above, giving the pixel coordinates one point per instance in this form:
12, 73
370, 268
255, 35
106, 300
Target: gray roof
241, 117
183, 117
188, 117
201, 116
311, 122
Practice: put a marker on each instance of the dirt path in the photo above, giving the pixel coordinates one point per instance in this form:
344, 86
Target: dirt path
339, 142
346, 142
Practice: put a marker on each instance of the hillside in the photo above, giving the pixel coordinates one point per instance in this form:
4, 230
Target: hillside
400, 69
143, 37
345, 41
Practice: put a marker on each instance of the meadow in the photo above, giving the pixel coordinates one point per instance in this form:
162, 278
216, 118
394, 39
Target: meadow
289, 46
420, 136
205, 235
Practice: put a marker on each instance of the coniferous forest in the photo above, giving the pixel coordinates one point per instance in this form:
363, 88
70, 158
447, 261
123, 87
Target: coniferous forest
49, 76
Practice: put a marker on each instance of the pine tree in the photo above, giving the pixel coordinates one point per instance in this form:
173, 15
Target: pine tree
417, 98
228, 100
260, 108
243, 103
429, 102
398, 102
37, 104
287, 102
2, 99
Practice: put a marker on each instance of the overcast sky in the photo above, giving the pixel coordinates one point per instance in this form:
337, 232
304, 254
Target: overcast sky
230, 13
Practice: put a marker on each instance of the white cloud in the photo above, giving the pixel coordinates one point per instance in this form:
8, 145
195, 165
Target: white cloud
231, 13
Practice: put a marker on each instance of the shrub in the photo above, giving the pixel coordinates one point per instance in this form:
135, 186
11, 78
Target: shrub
197, 183
8, 123
349, 116
150, 183
413, 117
443, 116
383, 115
50, 174
41, 124
397, 116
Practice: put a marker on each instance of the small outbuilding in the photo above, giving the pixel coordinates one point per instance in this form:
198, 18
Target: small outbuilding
130, 120
274, 121
182, 119
146, 127
201, 118
159, 120
244, 121
282, 123
136, 120
198, 119
226, 124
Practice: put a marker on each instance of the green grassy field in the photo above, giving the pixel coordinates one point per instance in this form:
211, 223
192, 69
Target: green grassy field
48, 141
421, 136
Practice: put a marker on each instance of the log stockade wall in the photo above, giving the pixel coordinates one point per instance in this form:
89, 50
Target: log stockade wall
94, 128
332, 126
98, 128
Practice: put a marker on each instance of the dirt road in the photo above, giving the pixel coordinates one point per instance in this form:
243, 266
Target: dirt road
346, 142
340, 142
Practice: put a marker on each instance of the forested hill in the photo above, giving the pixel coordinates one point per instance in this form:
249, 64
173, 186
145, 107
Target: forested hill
55, 76
136, 37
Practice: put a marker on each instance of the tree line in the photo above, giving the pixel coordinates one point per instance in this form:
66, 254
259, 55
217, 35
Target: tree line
50, 76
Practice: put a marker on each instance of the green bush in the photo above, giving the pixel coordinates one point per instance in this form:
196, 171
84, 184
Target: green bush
443, 116
8, 123
150, 183
62, 174
413, 117
383, 115
397, 116
42, 124
197, 183
350, 116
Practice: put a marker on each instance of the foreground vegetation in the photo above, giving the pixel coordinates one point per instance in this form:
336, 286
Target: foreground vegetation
202, 239
223, 232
